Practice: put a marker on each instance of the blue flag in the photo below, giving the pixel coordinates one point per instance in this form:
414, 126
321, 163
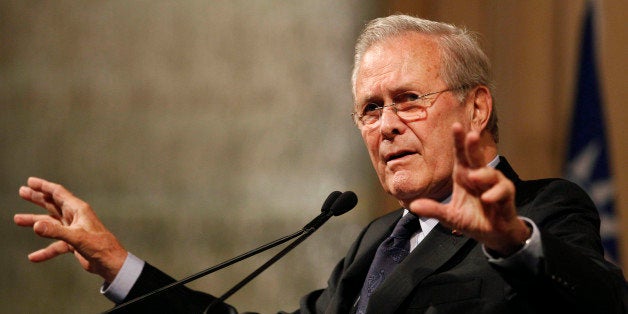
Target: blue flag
588, 162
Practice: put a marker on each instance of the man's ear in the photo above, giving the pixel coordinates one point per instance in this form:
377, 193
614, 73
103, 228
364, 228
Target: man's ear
482, 107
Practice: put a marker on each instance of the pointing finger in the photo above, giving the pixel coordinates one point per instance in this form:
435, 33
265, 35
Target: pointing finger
473, 150
459, 144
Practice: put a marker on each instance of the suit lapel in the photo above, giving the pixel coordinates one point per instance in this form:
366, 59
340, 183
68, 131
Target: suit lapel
434, 251
507, 170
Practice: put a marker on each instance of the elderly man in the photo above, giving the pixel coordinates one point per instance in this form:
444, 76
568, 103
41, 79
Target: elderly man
474, 238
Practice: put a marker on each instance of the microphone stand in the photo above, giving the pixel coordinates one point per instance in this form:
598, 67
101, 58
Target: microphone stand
259, 270
342, 203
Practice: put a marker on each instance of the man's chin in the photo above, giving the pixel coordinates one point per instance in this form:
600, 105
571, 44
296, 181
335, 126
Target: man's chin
405, 194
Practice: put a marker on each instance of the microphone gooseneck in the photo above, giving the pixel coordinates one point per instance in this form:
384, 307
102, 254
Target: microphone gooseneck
342, 204
328, 209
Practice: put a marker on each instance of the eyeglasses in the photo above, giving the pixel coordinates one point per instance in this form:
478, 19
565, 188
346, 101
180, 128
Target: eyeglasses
409, 106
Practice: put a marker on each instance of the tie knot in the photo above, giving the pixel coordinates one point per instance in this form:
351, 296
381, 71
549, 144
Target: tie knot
406, 226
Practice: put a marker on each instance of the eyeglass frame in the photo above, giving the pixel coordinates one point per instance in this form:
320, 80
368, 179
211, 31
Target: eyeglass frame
357, 118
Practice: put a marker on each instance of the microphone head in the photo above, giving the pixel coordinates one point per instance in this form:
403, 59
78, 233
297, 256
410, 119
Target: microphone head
344, 203
333, 196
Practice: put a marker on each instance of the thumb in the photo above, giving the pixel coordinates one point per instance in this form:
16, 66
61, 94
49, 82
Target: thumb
50, 230
425, 207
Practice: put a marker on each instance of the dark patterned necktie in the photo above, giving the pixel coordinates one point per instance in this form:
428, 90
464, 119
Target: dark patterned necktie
389, 254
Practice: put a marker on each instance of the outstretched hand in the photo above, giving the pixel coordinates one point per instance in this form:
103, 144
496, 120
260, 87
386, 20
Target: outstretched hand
74, 224
482, 203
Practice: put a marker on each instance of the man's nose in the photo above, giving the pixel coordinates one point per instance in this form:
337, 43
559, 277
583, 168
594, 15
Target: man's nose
390, 123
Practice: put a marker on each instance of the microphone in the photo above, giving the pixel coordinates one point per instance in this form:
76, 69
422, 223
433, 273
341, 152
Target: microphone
327, 210
344, 203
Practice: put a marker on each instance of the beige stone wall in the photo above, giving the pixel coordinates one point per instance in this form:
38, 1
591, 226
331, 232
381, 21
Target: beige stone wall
198, 130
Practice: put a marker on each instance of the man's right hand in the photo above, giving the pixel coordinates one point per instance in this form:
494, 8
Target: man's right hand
74, 224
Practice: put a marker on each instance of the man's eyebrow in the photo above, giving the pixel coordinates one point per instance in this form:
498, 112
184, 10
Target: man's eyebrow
405, 87
368, 99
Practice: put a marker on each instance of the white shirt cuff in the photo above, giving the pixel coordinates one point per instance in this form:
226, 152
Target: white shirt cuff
528, 256
124, 281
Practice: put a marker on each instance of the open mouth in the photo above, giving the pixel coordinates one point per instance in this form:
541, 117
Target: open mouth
398, 155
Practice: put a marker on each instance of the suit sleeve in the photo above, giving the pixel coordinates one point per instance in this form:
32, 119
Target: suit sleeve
572, 272
176, 300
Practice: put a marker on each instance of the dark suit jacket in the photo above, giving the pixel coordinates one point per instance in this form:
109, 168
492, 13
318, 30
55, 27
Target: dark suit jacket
449, 273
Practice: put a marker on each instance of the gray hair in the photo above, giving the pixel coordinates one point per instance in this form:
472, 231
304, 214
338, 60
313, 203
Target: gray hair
464, 63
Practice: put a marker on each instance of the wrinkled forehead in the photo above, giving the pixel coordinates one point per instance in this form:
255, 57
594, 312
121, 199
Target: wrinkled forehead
404, 62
